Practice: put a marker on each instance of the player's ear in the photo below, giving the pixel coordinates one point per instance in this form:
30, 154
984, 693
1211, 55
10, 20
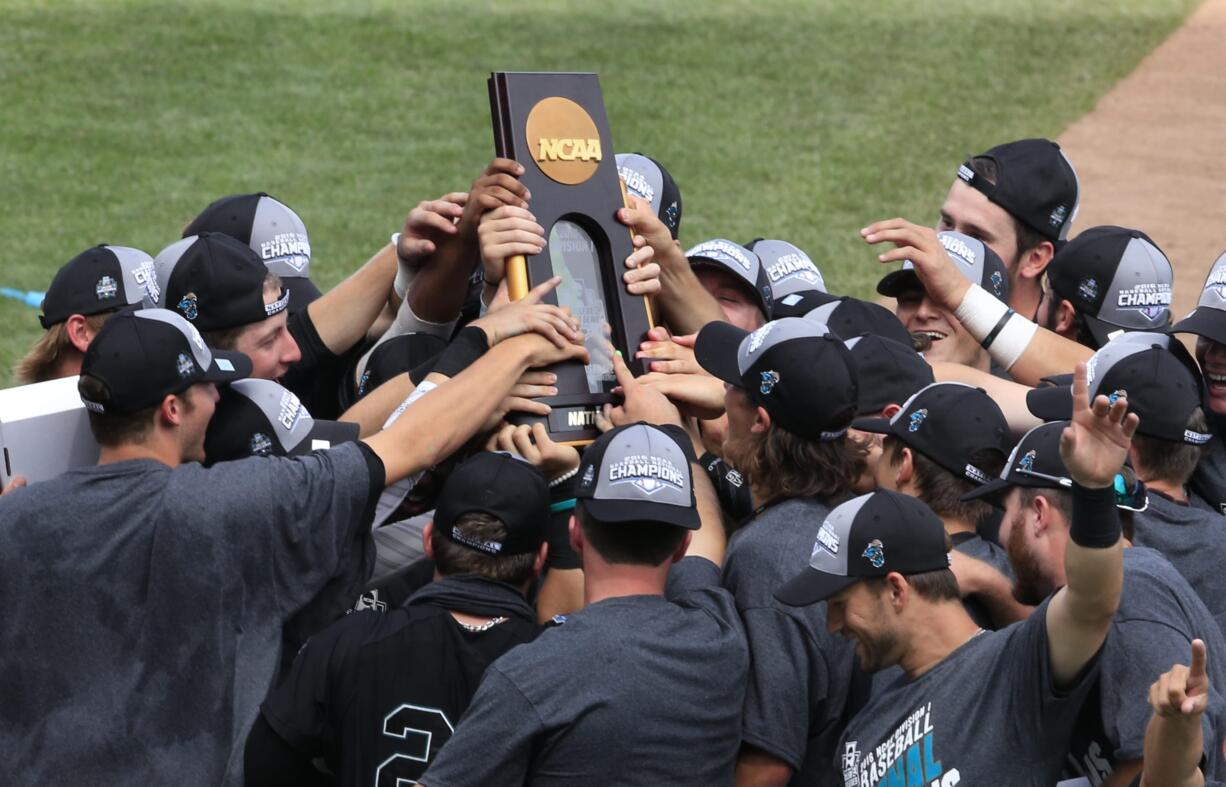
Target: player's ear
890, 410
427, 539
542, 554
1034, 261
576, 535
906, 466
685, 546
78, 332
172, 409
1064, 316
761, 421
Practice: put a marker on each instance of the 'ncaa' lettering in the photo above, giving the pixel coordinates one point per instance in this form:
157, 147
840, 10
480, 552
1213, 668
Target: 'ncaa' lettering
569, 149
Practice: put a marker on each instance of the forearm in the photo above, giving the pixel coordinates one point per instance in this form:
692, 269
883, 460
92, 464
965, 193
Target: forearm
441, 284
756, 768
344, 314
684, 303
1008, 395
372, 410
1173, 750
1048, 353
710, 540
444, 419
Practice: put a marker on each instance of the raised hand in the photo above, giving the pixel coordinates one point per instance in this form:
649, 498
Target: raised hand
1095, 444
1184, 690
498, 185
534, 445
697, 395
529, 315
643, 278
429, 225
938, 273
505, 232
669, 355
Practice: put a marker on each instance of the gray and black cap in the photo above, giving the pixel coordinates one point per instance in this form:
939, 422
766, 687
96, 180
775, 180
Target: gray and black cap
215, 282
1208, 319
261, 418
273, 231
648, 180
972, 258
97, 280
796, 369
507, 488
869, 536
950, 423
639, 473
142, 356
1116, 278
742, 263
788, 269
849, 317
1159, 387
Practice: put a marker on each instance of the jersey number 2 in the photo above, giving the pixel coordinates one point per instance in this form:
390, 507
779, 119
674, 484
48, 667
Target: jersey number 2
422, 729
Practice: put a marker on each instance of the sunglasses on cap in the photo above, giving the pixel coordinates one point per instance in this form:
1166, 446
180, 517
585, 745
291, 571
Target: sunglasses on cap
1129, 491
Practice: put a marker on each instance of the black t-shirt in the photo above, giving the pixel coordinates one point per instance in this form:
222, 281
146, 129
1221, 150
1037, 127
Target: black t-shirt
316, 378
377, 695
730, 487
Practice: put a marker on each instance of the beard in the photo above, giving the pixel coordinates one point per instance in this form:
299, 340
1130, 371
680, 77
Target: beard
1030, 586
877, 653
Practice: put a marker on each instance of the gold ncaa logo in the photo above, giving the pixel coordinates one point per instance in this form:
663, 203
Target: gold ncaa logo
563, 139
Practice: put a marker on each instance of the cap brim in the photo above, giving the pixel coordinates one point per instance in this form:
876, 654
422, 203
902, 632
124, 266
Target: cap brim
992, 490
874, 425
302, 292
1053, 403
327, 434
227, 367
716, 349
811, 586
1203, 321
802, 303
897, 282
614, 511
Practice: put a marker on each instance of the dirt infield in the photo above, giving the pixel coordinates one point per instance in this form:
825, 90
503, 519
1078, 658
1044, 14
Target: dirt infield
1150, 154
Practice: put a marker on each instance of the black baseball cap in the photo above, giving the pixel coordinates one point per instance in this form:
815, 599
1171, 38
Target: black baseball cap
742, 263
396, 356
261, 418
273, 231
648, 180
215, 282
795, 368
1035, 463
142, 356
1208, 319
948, 423
1116, 278
869, 536
849, 317
507, 488
972, 258
1035, 183
889, 372
788, 269
97, 280
639, 473
798, 304
1160, 388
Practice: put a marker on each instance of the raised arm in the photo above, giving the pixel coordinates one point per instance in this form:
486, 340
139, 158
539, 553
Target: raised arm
343, 314
1027, 351
1174, 740
1093, 447
1009, 396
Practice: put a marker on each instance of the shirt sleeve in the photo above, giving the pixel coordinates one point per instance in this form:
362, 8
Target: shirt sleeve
1036, 698
290, 524
787, 676
501, 725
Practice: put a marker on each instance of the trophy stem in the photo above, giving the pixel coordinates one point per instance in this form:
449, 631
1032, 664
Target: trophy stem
517, 277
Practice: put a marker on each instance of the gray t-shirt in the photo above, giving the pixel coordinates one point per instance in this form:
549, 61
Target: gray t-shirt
1194, 540
989, 713
636, 690
801, 675
143, 609
1158, 618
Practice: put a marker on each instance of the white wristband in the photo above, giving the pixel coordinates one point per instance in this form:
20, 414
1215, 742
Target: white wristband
979, 312
994, 325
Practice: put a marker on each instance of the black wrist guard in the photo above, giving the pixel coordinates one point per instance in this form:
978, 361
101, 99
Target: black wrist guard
468, 345
1096, 520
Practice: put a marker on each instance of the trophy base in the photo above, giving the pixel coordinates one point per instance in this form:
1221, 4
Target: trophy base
573, 419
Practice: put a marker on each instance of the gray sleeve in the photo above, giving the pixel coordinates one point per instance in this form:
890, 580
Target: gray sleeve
492, 744
291, 524
1151, 649
689, 575
1036, 698
787, 675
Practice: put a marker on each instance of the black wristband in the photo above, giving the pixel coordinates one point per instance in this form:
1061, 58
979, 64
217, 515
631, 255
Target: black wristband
468, 345
1096, 520
1000, 326
683, 440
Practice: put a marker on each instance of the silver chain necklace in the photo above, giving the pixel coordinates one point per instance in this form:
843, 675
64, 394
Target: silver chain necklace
477, 628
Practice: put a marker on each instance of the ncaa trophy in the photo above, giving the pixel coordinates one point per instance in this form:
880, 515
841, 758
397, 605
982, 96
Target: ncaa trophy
555, 126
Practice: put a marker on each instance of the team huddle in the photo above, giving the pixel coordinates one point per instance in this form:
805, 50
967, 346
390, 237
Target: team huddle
975, 539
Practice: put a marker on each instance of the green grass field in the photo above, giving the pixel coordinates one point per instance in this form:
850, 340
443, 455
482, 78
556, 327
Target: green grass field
800, 120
